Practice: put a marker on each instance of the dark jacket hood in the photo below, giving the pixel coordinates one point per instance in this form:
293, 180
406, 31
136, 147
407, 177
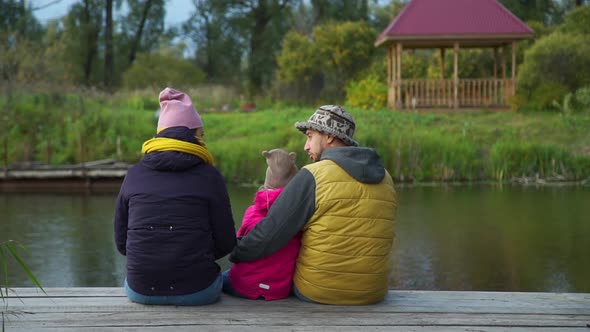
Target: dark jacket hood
173, 161
362, 163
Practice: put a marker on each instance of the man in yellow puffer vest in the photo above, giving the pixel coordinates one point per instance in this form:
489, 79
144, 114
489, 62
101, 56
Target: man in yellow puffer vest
344, 203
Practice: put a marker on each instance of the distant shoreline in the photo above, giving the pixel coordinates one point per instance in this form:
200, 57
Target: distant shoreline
108, 181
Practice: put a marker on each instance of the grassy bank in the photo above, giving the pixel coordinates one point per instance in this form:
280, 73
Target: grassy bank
421, 146
66, 129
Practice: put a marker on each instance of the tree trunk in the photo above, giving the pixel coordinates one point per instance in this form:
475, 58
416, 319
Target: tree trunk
262, 17
108, 42
319, 11
139, 33
209, 66
255, 59
364, 10
92, 33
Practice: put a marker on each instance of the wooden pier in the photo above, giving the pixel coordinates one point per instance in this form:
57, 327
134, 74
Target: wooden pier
90, 177
107, 309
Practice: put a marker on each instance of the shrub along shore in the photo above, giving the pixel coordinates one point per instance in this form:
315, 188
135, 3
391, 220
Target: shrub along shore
418, 147
503, 146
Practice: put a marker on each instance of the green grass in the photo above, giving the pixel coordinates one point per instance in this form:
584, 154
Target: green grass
8, 250
420, 146
414, 146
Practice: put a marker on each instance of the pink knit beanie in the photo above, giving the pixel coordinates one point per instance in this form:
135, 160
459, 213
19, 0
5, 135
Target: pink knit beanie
176, 109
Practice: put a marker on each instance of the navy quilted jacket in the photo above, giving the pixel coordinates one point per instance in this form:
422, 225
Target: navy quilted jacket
173, 219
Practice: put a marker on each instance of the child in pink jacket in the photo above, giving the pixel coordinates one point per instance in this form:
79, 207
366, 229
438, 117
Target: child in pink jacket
270, 278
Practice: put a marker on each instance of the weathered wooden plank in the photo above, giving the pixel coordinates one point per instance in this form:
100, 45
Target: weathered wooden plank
71, 291
63, 173
309, 328
196, 317
393, 294
107, 309
104, 299
122, 304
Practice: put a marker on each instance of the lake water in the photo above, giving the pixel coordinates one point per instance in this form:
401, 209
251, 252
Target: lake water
469, 237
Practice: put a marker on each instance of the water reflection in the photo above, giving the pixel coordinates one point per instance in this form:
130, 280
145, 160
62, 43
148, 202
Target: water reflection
69, 238
493, 238
477, 237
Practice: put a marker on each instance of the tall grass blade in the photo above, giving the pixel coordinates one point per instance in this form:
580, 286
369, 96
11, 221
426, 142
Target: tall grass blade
12, 250
4, 262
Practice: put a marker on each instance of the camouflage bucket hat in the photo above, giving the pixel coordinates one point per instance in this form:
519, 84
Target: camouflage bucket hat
332, 120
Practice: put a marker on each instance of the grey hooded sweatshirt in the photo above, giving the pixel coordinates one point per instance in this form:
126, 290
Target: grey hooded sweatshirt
296, 204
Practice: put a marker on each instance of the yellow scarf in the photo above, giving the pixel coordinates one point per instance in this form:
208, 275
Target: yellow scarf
170, 144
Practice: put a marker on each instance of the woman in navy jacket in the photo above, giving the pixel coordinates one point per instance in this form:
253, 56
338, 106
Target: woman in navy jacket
173, 216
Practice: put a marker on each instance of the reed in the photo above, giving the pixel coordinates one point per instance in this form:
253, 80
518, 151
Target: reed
510, 159
73, 128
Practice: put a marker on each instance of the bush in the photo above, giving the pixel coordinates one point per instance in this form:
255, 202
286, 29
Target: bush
368, 93
578, 101
546, 94
473, 63
337, 53
557, 61
297, 60
582, 97
577, 21
159, 71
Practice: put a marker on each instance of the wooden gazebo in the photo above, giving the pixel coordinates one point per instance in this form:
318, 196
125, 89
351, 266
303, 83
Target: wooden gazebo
452, 24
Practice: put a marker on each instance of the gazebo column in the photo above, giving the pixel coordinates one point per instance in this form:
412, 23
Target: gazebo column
504, 83
442, 63
503, 62
495, 76
456, 75
398, 72
391, 76
513, 92
444, 101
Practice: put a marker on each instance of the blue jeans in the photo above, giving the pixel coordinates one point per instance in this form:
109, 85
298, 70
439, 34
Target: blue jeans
301, 296
206, 296
228, 288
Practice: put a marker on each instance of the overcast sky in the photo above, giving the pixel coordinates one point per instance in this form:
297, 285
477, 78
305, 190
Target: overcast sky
177, 11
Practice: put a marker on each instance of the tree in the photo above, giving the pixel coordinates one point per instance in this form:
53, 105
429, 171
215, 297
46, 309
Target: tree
546, 11
82, 27
382, 16
108, 45
160, 70
553, 66
339, 10
302, 19
18, 31
261, 24
577, 21
298, 59
568, 5
338, 52
16, 17
473, 63
18, 27
345, 50
20, 35
142, 26
300, 71
219, 48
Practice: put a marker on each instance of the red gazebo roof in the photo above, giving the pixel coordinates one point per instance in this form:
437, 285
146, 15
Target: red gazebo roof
473, 23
